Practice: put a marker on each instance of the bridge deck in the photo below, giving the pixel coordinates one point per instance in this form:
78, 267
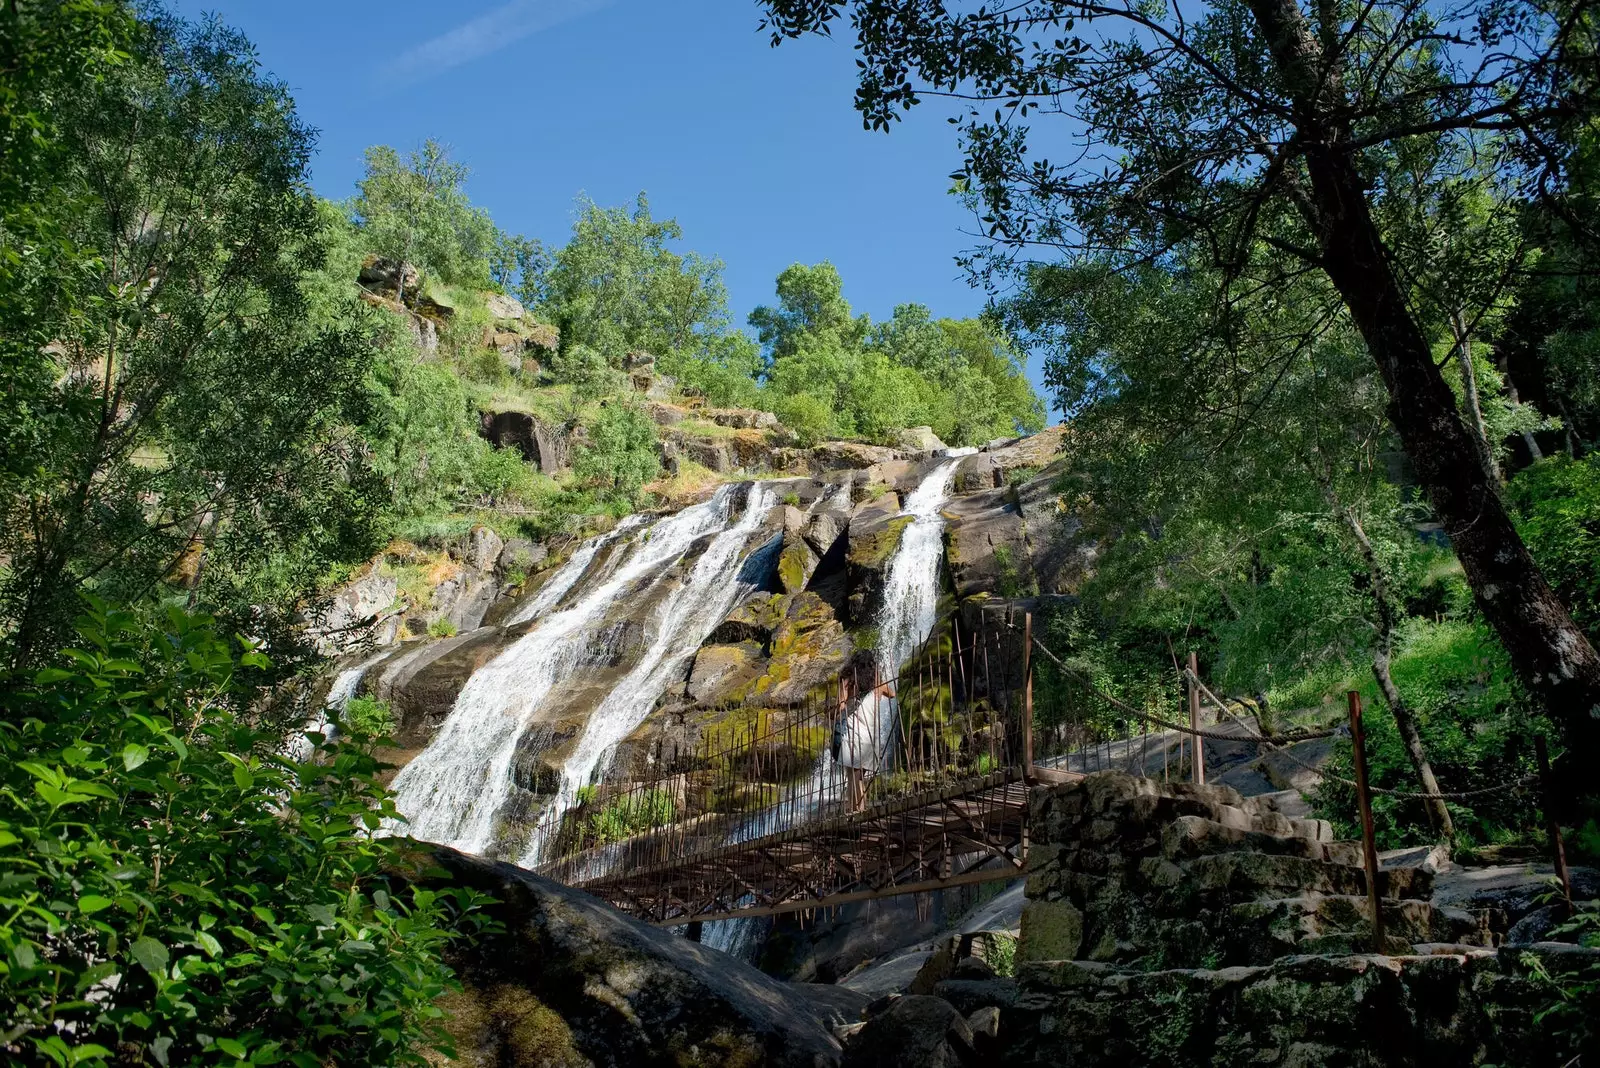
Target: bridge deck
959, 833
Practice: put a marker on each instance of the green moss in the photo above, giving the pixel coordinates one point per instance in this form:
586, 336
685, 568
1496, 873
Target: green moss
874, 550
792, 564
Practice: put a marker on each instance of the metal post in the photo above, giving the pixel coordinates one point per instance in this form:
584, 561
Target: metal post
1027, 696
1369, 846
1552, 825
1194, 719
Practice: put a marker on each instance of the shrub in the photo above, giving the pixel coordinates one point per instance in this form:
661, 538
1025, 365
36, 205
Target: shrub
442, 627
1557, 508
173, 890
368, 717
632, 814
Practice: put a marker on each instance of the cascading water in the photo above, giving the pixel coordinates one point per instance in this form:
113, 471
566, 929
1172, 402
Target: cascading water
343, 688
677, 628
910, 609
453, 791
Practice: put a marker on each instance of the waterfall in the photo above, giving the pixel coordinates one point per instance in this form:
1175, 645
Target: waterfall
453, 791
678, 626
562, 581
910, 610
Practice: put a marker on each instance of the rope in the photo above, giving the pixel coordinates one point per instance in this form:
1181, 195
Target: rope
1277, 743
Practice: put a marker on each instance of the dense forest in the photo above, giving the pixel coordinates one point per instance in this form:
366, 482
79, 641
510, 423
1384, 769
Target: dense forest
1333, 421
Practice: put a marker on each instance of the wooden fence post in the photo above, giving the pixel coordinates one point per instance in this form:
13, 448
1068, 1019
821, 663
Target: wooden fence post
1199, 771
1369, 845
1552, 825
1027, 696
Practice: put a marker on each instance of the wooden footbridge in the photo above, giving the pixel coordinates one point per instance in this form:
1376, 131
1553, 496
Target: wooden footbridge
866, 790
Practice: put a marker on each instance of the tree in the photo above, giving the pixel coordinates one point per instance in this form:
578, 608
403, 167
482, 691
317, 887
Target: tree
616, 287
1273, 502
196, 430
414, 210
1254, 132
619, 451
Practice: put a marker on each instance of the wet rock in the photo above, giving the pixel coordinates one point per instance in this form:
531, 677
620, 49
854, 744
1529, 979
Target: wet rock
973, 995
587, 981
421, 682
823, 530
721, 669
912, 1032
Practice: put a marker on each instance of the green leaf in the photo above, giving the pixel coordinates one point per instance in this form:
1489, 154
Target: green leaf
243, 779
152, 955
133, 755
208, 942
232, 1047
7, 838
92, 903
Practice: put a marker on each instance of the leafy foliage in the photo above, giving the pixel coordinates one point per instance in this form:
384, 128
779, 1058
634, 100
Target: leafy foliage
1557, 504
175, 891
620, 451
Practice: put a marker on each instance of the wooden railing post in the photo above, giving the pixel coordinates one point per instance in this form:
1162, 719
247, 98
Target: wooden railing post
1199, 771
1369, 845
1027, 695
1552, 825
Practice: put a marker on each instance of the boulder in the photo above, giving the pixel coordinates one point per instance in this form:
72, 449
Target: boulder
831, 455
720, 669
519, 557
479, 549
977, 472
740, 418
797, 561
664, 414
919, 439
823, 530
502, 306
752, 621
354, 610
912, 1032
542, 336
382, 275
566, 979
540, 443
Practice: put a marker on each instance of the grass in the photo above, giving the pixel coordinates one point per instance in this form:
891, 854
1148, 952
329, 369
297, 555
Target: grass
705, 428
691, 480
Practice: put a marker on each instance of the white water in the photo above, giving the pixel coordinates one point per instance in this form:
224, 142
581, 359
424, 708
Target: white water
452, 792
678, 626
910, 609
551, 592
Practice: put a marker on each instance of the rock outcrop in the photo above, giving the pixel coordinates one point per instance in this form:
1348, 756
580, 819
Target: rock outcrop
567, 980
542, 444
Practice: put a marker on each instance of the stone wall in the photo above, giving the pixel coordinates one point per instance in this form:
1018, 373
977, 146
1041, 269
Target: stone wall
1187, 925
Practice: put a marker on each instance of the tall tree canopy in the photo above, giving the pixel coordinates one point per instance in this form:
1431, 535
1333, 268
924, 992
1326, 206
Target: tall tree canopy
1291, 151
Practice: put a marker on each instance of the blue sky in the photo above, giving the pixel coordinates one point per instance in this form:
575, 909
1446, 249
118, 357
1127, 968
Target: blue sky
756, 151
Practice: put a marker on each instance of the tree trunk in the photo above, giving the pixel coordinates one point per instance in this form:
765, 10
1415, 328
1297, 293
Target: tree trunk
1469, 390
1528, 439
1550, 654
1404, 721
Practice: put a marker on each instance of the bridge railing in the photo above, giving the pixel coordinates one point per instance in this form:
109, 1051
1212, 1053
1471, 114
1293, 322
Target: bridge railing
960, 710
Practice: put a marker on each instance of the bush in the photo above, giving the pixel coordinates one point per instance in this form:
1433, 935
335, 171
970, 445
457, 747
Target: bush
1557, 508
1477, 728
632, 814
807, 415
368, 717
620, 454
174, 891
442, 628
